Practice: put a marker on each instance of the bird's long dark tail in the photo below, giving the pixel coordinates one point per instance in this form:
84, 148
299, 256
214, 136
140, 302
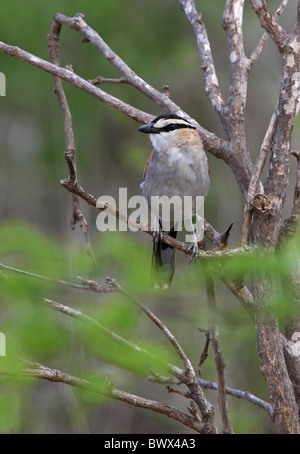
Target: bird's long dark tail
163, 262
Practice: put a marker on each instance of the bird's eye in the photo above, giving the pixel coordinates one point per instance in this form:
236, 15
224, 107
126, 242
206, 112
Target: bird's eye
170, 127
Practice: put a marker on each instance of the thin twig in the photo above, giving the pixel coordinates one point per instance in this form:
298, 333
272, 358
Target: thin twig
73, 78
268, 22
240, 395
171, 338
204, 353
257, 51
77, 216
101, 80
162, 99
246, 395
218, 355
83, 317
37, 370
189, 376
86, 285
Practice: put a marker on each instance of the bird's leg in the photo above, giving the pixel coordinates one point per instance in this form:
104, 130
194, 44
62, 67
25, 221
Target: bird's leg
193, 248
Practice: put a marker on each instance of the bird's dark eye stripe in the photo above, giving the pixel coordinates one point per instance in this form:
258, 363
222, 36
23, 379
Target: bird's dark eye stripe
173, 126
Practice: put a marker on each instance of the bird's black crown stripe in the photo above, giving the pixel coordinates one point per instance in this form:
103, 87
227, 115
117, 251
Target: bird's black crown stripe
168, 117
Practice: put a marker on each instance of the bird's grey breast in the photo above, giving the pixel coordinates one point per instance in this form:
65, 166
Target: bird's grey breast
179, 171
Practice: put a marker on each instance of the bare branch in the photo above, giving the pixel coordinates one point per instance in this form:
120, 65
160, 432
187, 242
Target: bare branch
240, 395
212, 88
219, 358
211, 142
77, 81
219, 240
246, 395
237, 287
268, 22
241, 292
232, 23
171, 338
37, 370
189, 376
204, 353
234, 111
179, 245
53, 40
83, 317
257, 51
98, 289
255, 179
101, 80
266, 227
77, 23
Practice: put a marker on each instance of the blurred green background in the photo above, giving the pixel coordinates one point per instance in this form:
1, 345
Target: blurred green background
156, 40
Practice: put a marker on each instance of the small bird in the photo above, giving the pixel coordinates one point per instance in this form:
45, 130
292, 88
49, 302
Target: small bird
177, 166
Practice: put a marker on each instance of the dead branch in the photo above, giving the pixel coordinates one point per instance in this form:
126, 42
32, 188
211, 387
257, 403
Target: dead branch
219, 240
71, 77
36, 370
240, 395
189, 376
204, 354
77, 216
246, 395
83, 317
210, 140
218, 355
258, 50
212, 88
255, 179
268, 22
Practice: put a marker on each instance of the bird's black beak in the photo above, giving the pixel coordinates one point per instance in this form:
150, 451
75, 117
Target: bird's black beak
149, 128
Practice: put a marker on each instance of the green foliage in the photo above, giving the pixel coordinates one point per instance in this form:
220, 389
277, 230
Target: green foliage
36, 333
9, 408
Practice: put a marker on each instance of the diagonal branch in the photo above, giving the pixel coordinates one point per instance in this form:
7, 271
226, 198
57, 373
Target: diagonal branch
257, 51
36, 370
246, 395
211, 142
189, 376
268, 22
179, 245
240, 395
69, 76
83, 317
